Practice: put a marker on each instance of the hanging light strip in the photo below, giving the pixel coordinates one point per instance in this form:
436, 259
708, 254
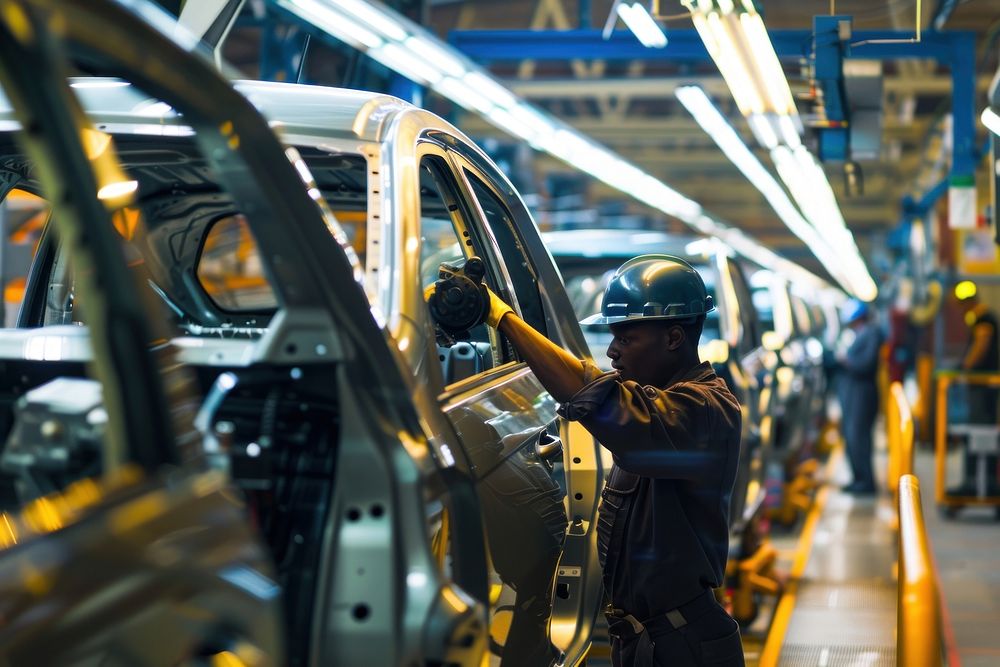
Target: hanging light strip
408, 49
736, 39
718, 128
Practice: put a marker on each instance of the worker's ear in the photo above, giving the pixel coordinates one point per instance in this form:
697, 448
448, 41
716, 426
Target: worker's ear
675, 337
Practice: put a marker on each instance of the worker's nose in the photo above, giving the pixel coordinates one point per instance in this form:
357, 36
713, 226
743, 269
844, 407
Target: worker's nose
613, 352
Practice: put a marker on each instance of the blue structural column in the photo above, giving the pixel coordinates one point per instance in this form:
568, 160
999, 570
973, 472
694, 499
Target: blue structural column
828, 69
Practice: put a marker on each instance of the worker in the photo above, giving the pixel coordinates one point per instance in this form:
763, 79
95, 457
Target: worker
674, 430
858, 392
982, 355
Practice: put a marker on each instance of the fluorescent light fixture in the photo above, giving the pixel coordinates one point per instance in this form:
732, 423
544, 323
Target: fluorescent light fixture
397, 58
506, 121
430, 52
376, 19
415, 53
642, 25
789, 133
778, 92
733, 66
762, 130
153, 109
100, 83
323, 16
991, 120
716, 126
467, 97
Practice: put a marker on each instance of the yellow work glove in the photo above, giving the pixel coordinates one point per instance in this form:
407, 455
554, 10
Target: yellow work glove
497, 309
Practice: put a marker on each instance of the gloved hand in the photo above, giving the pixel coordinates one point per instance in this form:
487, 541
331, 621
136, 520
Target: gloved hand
498, 308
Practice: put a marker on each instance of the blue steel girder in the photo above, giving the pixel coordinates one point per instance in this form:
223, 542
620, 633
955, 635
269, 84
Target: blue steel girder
828, 71
954, 49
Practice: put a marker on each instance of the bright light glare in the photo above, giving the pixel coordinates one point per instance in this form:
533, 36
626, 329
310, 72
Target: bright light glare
457, 91
490, 89
767, 64
432, 53
373, 18
397, 58
100, 83
991, 120
333, 22
642, 25
716, 126
760, 125
409, 50
117, 190
734, 68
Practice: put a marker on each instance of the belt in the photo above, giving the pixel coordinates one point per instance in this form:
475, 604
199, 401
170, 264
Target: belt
677, 618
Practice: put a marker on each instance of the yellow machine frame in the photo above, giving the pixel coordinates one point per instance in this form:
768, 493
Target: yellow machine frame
944, 381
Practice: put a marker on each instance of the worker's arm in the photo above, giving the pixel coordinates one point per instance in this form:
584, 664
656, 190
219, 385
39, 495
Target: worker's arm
562, 374
982, 333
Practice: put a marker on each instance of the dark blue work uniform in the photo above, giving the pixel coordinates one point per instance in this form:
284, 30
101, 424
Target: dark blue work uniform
663, 529
859, 403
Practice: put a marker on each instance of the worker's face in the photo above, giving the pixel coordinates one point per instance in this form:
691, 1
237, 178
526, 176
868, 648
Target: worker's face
646, 352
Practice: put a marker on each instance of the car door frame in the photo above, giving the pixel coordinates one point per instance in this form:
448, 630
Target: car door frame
312, 297
579, 588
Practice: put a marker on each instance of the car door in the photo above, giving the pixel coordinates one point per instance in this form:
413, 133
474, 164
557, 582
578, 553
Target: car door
507, 422
112, 550
179, 575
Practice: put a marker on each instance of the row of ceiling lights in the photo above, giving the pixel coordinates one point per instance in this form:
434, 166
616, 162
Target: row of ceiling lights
408, 49
736, 39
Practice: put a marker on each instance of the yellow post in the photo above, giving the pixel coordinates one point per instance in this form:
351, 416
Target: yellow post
918, 610
904, 432
892, 417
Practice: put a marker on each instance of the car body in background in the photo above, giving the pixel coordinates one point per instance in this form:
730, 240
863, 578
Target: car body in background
288, 273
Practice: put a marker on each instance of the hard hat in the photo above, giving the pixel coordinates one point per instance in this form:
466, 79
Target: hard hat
653, 287
853, 310
965, 290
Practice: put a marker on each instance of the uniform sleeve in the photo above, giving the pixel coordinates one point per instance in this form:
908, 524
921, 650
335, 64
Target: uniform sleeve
862, 356
982, 334
652, 432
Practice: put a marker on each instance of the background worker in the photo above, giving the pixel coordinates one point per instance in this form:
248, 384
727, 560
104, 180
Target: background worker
674, 429
858, 393
982, 355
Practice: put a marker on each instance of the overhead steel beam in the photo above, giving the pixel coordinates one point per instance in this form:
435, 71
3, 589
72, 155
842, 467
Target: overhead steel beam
656, 87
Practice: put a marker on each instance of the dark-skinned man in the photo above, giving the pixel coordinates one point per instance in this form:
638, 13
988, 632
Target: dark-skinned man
674, 430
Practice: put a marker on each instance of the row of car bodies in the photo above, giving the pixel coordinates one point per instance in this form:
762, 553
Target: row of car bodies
407, 494
241, 268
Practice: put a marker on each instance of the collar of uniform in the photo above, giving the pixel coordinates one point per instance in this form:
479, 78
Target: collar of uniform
697, 373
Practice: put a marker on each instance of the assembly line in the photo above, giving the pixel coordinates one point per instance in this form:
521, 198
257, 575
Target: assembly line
304, 364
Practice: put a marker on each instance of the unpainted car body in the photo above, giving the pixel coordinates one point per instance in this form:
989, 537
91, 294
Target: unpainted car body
412, 450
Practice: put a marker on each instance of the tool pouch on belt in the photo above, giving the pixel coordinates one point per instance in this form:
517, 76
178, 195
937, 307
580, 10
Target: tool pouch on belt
634, 642
616, 503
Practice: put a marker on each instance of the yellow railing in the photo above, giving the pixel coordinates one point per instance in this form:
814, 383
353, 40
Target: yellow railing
944, 380
918, 611
899, 435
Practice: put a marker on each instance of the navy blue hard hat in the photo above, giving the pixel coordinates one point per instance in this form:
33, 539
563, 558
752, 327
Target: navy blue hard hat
854, 310
653, 287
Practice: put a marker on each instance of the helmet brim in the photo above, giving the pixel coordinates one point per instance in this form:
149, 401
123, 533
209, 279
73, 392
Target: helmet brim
600, 318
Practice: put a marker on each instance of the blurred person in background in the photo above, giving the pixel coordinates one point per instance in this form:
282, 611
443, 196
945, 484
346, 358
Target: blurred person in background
982, 355
857, 358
